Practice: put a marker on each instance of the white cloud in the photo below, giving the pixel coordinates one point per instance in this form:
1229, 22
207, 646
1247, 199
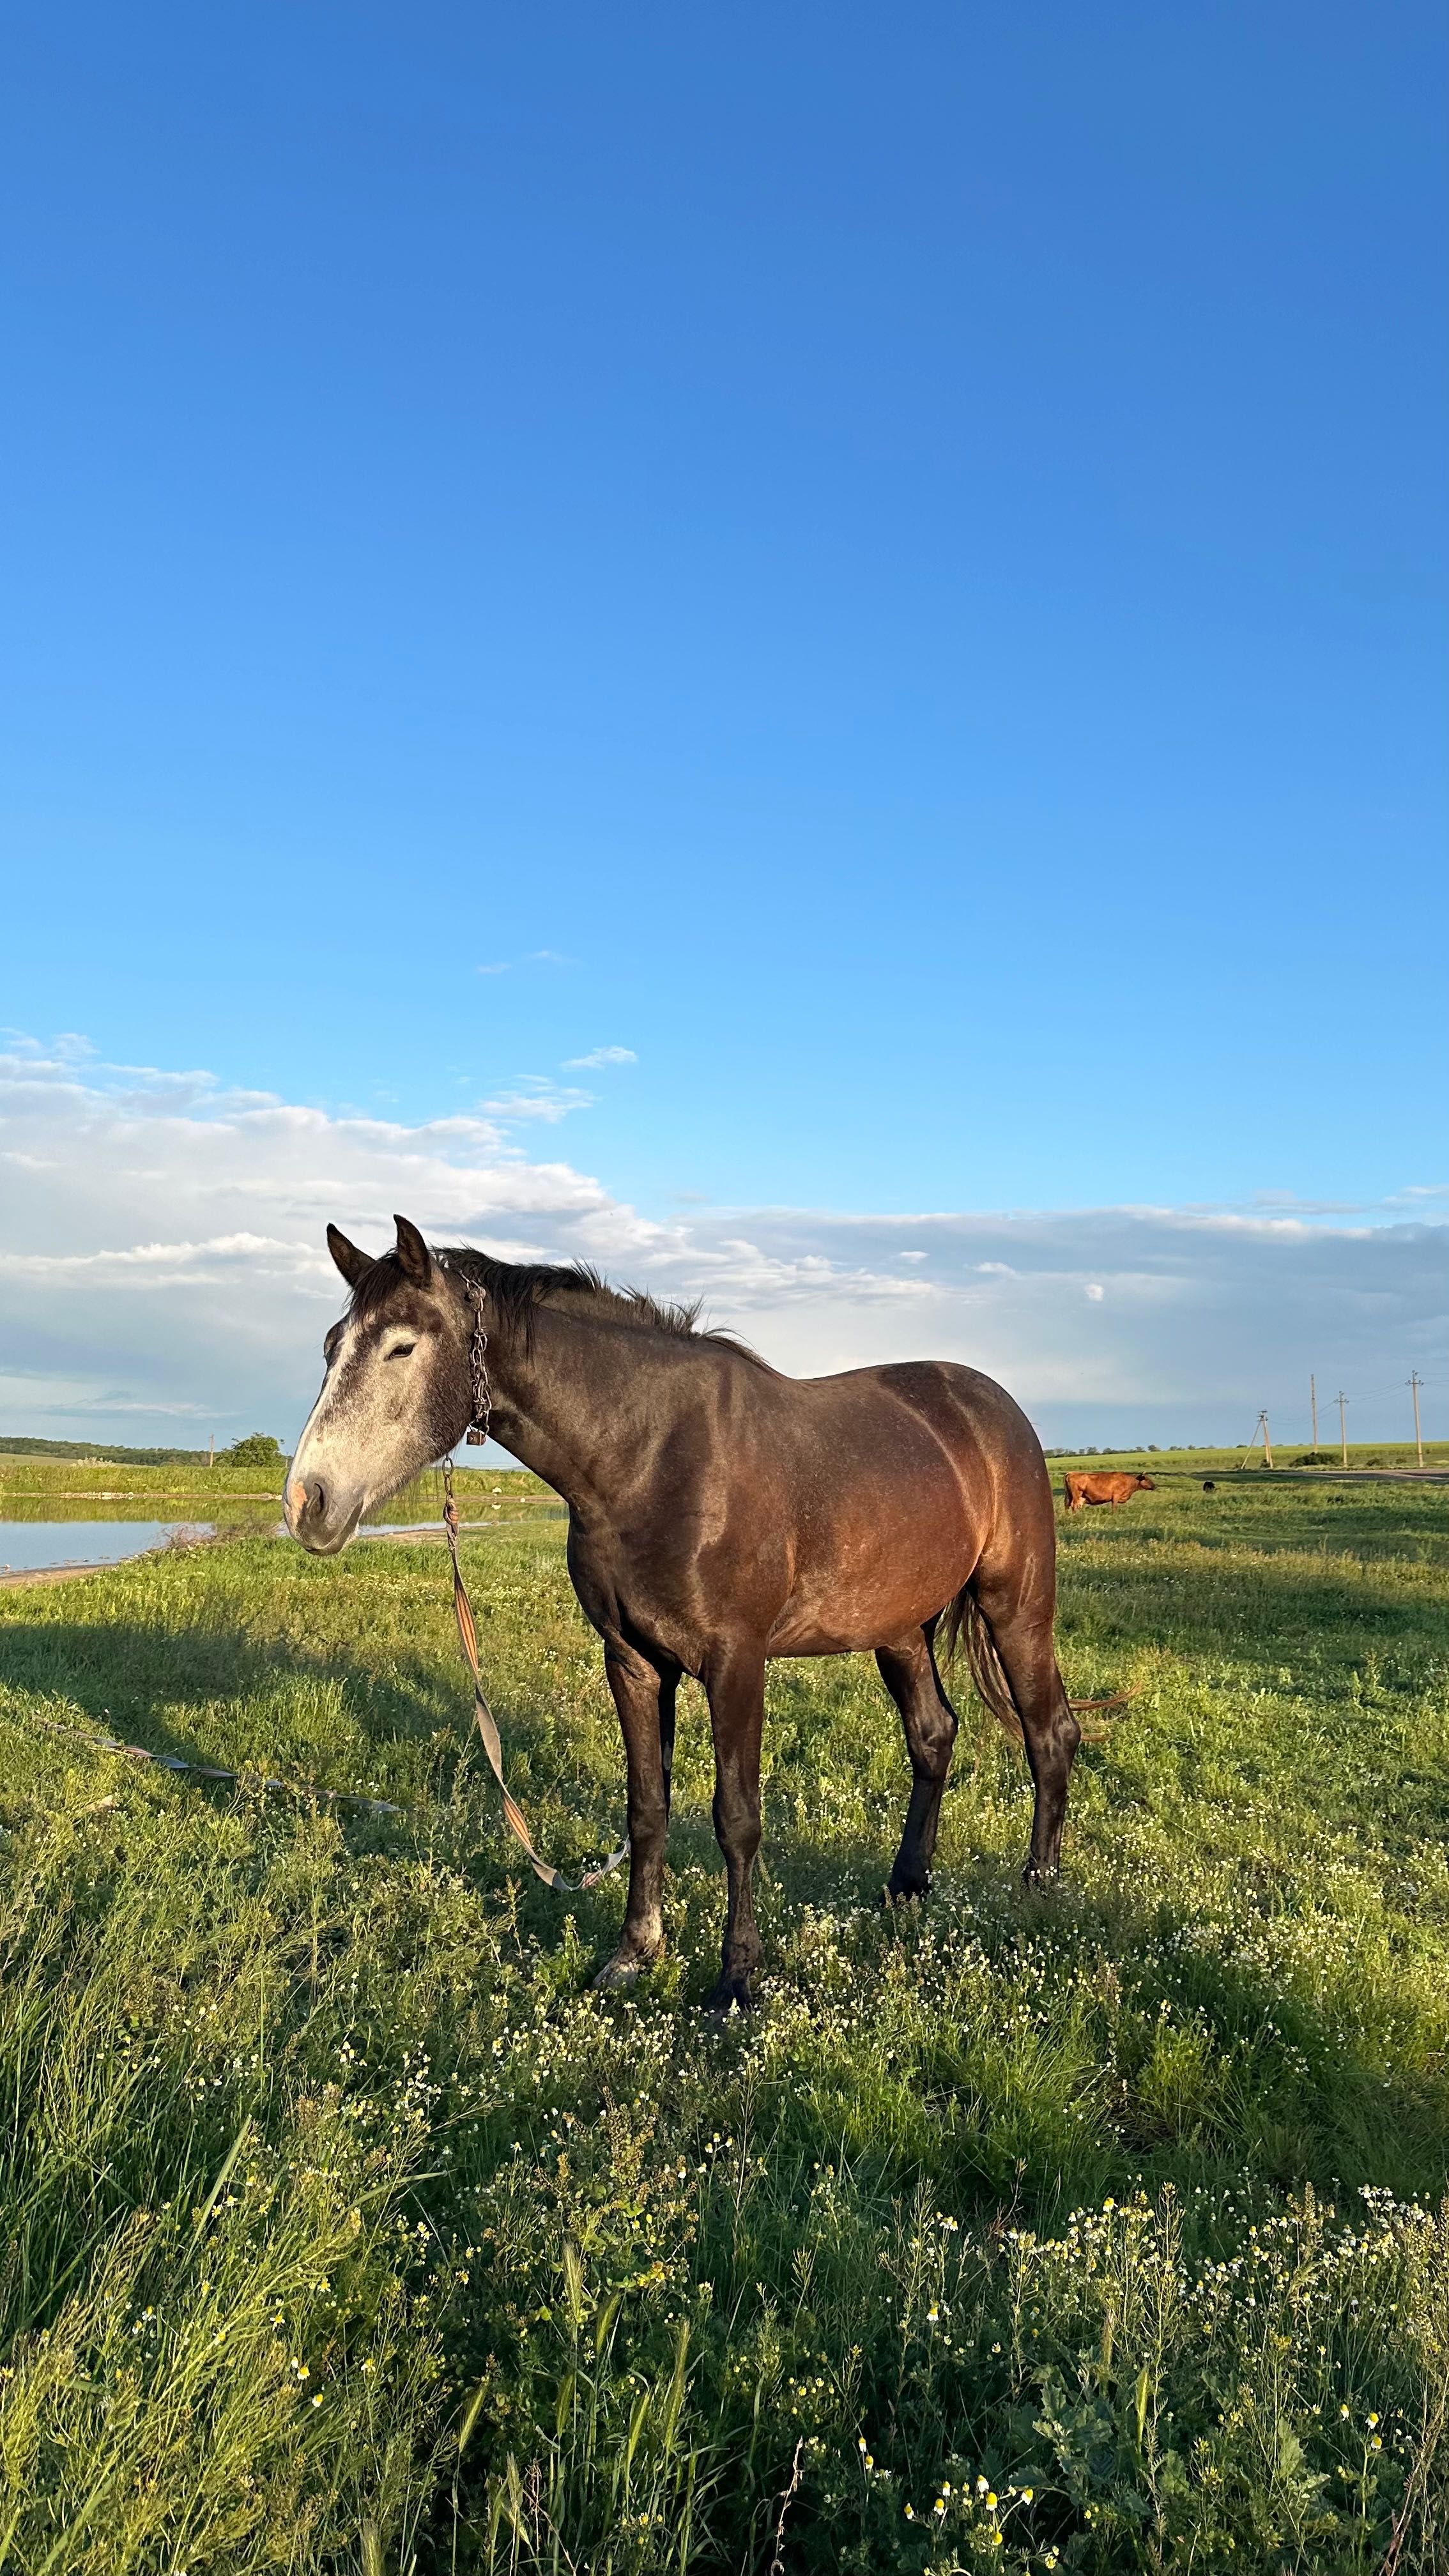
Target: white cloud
537, 1097
162, 1264
600, 1056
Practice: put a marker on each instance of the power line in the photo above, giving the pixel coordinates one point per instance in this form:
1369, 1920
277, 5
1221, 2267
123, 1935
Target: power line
1260, 1432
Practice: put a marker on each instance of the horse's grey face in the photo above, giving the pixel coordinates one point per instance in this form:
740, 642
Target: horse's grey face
396, 1393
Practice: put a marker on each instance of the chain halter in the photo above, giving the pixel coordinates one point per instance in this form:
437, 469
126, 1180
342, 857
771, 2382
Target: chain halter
480, 1388
480, 1394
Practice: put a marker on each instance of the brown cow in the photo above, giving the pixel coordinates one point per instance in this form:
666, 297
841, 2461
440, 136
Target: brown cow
1114, 1489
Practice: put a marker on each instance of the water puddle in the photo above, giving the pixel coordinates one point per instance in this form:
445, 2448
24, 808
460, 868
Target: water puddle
32, 1542
27, 1547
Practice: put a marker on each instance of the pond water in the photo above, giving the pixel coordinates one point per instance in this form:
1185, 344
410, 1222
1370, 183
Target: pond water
25, 1546
34, 1535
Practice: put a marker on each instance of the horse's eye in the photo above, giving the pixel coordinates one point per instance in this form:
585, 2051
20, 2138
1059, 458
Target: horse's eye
402, 1350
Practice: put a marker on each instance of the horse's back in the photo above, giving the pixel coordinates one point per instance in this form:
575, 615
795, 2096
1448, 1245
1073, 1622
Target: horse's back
960, 1406
918, 1430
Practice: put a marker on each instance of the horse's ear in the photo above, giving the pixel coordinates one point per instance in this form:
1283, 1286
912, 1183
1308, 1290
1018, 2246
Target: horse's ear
352, 1263
413, 1253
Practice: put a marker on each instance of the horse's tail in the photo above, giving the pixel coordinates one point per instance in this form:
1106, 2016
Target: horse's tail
966, 1619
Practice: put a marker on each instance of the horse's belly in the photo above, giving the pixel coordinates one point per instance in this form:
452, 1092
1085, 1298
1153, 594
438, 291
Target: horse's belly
869, 1604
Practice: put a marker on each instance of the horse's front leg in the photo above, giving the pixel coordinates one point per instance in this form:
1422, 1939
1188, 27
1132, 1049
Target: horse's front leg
734, 1681
640, 1696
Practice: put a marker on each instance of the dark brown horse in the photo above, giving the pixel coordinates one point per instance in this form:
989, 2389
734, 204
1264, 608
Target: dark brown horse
719, 1514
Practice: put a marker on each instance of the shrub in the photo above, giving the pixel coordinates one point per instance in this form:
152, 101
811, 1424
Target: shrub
258, 1449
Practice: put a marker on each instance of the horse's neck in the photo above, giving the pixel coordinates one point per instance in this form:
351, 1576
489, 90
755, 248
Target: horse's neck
565, 1406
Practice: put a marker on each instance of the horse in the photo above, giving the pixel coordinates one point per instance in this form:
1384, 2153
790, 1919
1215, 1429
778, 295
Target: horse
1112, 1488
719, 1513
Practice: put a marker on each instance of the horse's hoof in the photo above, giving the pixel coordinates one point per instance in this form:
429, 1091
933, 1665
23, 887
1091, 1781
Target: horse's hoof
731, 1994
623, 1971
891, 1895
1040, 1882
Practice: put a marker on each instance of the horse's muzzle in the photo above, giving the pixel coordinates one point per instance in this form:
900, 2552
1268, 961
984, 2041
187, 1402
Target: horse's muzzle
311, 1513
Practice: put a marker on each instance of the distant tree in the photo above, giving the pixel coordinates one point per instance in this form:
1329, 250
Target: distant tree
258, 1449
84, 1452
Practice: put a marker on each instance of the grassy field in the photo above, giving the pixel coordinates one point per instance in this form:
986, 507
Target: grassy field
30, 1482
1177, 1463
49, 1490
68, 1479
346, 2229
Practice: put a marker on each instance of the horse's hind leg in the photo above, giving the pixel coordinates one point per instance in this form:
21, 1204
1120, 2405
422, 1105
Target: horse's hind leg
1019, 1613
908, 1669
668, 1693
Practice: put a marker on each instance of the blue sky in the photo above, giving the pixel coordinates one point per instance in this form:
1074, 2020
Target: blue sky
887, 565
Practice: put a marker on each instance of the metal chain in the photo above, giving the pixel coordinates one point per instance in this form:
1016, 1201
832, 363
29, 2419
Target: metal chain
480, 1386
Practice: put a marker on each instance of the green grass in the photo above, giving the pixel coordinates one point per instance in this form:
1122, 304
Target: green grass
43, 1490
1108, 2223
41, 1481
67, 1479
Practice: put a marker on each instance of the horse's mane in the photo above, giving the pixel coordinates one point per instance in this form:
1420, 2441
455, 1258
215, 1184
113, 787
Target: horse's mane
518, 1288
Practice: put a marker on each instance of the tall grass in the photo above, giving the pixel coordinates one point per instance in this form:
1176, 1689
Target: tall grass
1099, 2231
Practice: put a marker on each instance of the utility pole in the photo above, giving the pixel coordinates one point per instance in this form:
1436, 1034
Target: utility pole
211, 1451
1341, 1400
1313, 1406
1267, 1443
1416, 1382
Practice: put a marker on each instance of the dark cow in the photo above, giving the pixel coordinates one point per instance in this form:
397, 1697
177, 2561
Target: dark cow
1113, 1488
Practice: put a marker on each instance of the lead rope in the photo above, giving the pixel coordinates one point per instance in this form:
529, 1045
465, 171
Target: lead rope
487, 1723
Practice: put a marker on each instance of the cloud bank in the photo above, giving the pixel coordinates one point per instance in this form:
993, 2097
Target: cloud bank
163, 1276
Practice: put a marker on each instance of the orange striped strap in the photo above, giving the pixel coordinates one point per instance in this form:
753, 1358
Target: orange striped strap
492, 1742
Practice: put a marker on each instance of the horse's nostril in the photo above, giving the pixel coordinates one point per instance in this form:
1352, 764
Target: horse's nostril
319, 1500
